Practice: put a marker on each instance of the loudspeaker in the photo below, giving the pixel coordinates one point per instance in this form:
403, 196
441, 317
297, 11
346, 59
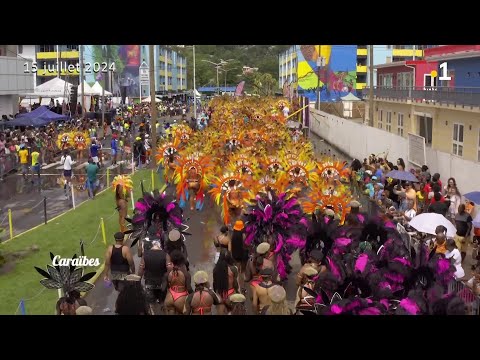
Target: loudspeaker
73, 97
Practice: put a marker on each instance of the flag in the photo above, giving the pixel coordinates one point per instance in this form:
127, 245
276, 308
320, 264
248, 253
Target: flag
239, 89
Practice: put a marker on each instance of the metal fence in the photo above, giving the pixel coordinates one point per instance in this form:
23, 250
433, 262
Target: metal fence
444, 95
472, 301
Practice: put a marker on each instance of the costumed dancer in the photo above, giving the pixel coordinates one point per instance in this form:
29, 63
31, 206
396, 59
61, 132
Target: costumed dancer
280, 222
65, 141
166, 155
191, 177
228, 192
81, 141
122, 186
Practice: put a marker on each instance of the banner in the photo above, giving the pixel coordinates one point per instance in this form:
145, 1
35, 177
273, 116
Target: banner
239, 89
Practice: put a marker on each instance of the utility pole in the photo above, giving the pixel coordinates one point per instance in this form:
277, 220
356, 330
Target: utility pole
82, 74
105, 53
194, 88
370, 95
153, 110
319, 67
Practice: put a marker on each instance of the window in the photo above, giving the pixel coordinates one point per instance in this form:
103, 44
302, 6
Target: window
20, 49
380, 120
72, 47
47, 48
400, 124
388, 126
388, 59
478, 159
3, 50
169, 80
458, 139
426, 126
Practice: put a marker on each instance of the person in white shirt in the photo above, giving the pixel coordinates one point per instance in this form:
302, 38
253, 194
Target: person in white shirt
454, 253
67, 162
410, 213
285, 111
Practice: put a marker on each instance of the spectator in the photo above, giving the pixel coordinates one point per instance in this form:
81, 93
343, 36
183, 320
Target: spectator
463, 223
454, 254
438, 206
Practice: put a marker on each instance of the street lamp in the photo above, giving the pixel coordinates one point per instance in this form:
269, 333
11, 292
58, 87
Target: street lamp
194, 85
218, 66
225, 71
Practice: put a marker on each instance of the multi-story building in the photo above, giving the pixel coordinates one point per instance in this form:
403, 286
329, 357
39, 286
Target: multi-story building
54, 60
170, 70
15, 80
350, 64
444, 112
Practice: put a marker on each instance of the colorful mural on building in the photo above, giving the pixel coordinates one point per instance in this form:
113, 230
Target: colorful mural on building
337, 76
125, 81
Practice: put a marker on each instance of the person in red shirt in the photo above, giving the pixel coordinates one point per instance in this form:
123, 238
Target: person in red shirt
436, 179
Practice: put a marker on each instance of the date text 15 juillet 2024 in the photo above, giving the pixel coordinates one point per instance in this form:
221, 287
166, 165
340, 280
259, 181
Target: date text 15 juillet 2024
64, 67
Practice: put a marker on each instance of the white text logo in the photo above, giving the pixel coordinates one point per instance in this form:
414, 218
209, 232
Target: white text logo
81, 261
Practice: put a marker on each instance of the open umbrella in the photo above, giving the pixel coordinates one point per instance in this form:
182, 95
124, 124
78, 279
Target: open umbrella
473, 196
402, 175
427, 222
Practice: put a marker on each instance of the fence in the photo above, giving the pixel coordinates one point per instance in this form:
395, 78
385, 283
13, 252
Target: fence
472, 301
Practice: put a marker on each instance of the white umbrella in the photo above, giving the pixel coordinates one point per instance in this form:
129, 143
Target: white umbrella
427, 222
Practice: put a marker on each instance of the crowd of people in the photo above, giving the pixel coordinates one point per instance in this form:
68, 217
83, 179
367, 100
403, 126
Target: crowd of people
278, 199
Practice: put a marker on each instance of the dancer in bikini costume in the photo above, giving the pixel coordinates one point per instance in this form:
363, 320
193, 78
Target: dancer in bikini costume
225, 281
81, 141
192, 178
279, 221
264, 258
202, 300
229, 193
122, 186
304, 300
178, 283
167, 155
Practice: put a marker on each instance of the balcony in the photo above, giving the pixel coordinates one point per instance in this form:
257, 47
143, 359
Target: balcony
53, 55
407, 52
430, 95
362, 52
360, 86
361, 68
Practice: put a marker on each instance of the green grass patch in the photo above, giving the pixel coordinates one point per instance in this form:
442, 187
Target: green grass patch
62, 237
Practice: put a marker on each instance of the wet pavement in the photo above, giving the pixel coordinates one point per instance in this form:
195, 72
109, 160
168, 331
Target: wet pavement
204, 225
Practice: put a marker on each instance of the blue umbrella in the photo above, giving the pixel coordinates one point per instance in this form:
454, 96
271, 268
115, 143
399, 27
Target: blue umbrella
473, 196
402, 175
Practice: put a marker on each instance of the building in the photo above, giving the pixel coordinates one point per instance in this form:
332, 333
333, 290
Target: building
345, 68
54, 60
170, 70
15, 80
445, 115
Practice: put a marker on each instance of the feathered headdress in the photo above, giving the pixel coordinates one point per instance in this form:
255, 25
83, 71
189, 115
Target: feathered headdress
67, 278
168, 148
332, 168
198, 163
125, 181
221, 189
81, 140
157, 205
65, 140
280, 222
244, 165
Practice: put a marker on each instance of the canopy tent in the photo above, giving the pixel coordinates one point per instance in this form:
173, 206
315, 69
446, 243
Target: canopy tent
97, 89
53, 88
41, 116
88, 89
348, 106
149, 99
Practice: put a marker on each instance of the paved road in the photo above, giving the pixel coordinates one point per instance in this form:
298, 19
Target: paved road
204, 226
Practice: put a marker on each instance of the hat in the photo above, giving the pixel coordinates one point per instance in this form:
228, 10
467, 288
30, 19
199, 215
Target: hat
392, 208
238, 225
355, 204
329, 212
263, 248
84, 310
119, 235
266, 272
374, 177
138, 138
237, 298
310, 271
369, 172
174, 235
200, 277
277, 294
133, 277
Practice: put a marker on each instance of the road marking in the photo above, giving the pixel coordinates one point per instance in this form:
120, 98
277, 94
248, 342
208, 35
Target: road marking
51, 165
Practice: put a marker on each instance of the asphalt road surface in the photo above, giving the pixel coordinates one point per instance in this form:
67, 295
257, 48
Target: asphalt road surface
204, 225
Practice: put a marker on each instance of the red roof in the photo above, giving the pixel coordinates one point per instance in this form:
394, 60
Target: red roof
446, 50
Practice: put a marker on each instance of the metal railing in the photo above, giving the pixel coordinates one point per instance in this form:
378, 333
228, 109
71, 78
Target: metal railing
469, 96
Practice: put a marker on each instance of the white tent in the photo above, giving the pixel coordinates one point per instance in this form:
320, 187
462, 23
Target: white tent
88, 89
149, 99
97, 89
347, 101
53, 88
197, 94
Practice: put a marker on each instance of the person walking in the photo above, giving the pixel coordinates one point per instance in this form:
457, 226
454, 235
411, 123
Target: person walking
92, 182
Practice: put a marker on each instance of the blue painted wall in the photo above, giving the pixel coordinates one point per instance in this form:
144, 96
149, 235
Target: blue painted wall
466, 72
